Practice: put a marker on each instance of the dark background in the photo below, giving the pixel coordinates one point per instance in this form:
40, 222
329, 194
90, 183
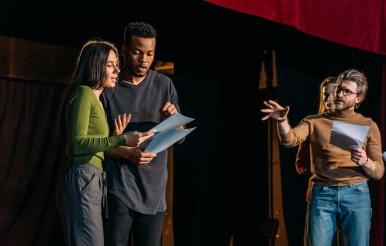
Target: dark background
221, 171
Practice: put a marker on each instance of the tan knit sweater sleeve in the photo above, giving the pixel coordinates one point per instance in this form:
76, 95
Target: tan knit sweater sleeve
374, 151
296, 135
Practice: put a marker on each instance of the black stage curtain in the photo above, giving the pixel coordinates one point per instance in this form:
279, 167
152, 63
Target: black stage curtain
31, 162
378, 235
221, 169
199, 212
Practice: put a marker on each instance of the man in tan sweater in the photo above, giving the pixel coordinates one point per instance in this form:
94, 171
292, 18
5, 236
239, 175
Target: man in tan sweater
339, 176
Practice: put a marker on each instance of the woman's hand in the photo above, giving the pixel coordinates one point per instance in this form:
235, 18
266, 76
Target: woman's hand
120, 123
134, 139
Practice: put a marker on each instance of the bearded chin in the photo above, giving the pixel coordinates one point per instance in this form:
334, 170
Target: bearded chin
343, 106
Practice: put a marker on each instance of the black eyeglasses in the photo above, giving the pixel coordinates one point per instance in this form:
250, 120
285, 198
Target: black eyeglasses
346, 92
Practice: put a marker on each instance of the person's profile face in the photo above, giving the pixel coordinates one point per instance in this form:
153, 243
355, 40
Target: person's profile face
140, 55
329, 96
111, 70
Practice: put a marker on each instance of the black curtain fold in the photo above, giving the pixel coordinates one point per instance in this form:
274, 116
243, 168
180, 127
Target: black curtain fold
31, 161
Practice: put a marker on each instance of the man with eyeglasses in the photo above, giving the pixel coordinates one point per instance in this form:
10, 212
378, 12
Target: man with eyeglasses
339, 177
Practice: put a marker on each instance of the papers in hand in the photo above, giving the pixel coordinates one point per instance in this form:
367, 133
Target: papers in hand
169, 132
347, 136
172, 122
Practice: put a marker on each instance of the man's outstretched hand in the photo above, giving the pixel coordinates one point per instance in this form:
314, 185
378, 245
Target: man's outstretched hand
274, 110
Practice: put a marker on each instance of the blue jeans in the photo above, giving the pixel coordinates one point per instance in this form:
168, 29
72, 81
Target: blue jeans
349, 205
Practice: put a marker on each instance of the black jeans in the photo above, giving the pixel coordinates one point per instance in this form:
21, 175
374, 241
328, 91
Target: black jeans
145, 229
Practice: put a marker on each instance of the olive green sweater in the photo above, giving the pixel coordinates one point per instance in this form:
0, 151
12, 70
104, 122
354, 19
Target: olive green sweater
330, 164
89, 128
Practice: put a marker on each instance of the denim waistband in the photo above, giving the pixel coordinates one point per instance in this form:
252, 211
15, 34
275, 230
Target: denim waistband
341, 185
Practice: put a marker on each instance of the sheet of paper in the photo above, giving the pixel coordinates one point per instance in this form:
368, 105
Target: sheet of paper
171, 122
347, 136
165, 139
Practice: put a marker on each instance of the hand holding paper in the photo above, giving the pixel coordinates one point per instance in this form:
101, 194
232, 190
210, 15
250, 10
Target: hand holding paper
168, 109
169, 132
359, 156
171, 122
348, 136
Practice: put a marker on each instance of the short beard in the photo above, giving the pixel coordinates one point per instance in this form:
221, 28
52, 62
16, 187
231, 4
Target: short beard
340, 107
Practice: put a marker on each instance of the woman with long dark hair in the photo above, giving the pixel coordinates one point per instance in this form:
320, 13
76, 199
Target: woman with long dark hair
82, 193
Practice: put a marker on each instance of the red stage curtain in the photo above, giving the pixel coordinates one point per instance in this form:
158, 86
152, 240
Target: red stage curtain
358, 24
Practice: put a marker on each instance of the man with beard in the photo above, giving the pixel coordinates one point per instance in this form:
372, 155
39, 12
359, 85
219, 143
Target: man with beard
137, 180
339, 177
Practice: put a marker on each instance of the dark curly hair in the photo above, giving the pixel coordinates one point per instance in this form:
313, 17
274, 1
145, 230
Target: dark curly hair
139, 29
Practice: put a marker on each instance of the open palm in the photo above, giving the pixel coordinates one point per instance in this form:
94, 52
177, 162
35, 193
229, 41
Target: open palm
274, 110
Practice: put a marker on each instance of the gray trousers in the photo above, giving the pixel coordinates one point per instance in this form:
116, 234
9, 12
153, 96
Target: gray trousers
80, 200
